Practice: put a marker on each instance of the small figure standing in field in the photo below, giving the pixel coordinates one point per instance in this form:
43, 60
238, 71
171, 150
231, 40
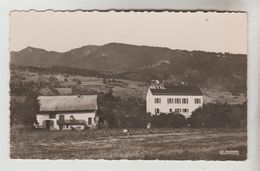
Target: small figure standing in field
126, 131
148, 126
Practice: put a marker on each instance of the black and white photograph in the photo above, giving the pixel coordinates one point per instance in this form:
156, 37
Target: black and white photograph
128, 85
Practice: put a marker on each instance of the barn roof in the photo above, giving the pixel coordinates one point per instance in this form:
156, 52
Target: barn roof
67, 103
175, 90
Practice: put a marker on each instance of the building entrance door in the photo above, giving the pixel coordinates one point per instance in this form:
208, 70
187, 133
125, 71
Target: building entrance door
49, 124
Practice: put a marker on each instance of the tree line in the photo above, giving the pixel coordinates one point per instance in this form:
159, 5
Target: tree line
116, 112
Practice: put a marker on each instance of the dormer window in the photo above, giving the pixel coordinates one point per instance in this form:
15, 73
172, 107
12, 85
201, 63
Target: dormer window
178, 100
170, 100
185, 101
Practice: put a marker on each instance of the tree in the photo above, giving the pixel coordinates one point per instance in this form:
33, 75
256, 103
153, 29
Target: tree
108, 118
24, 113
78, 82
31, 108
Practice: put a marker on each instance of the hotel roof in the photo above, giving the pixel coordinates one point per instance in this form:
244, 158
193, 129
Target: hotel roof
175, 90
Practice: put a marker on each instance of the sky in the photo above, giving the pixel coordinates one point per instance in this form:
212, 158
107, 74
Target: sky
63, 31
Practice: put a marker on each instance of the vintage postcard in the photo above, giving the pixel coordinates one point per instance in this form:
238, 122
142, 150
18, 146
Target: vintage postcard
136, 85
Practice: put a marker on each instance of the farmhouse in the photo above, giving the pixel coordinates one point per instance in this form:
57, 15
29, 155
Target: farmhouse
169, 99
67, 112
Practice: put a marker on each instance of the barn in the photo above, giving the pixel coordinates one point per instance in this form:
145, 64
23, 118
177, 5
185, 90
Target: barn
169, 99
67, 112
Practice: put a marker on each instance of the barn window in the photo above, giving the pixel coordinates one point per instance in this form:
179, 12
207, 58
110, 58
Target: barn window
157, 110
170, 110
157, 100
89, 121
72, 118
197, 101
170, 100
52, 115
177, 100
185, 101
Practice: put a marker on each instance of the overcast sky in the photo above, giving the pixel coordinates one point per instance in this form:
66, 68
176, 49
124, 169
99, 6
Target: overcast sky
62, 31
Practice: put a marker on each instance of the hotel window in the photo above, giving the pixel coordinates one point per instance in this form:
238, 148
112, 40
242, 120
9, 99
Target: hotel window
197, 101
185, 110
170, 110
157, 110
157, 100
185, 101
177, 110
177, 100
170, 100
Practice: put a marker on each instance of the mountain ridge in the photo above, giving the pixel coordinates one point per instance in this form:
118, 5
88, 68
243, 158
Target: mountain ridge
145, 63
116, 43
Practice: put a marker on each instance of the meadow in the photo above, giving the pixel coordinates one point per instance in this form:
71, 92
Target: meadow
141, 144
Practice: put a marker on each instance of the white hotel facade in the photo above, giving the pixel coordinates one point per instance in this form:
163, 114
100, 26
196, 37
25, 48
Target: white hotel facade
169, 99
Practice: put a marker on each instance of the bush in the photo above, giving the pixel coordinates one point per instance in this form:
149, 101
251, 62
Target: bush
173, 120
219, 115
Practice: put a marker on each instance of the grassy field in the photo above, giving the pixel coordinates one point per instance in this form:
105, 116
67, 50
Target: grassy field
161, 144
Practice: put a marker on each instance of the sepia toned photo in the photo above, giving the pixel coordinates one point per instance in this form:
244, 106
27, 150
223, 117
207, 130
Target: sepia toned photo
133, 85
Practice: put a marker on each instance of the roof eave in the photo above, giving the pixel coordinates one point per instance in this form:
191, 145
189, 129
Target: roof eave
169, 94
65, 111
